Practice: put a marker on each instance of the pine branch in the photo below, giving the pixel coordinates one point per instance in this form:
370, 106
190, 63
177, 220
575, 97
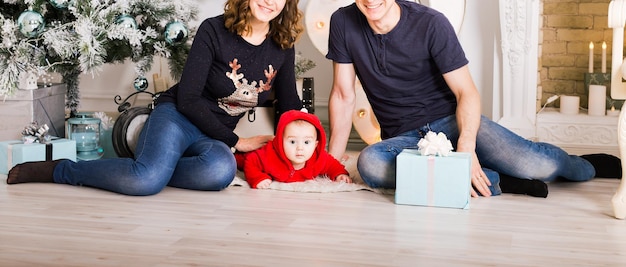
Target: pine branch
86, 35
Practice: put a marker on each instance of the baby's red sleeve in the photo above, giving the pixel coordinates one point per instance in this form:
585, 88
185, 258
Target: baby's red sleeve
334, 168
253, 169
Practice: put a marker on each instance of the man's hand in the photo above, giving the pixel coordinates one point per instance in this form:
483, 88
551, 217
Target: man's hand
480, 182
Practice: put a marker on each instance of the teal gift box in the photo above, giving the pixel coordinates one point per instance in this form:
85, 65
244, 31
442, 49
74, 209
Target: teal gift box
16, 152
438, 181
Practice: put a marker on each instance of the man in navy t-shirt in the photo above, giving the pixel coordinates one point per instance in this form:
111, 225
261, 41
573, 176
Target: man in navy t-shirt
416, 78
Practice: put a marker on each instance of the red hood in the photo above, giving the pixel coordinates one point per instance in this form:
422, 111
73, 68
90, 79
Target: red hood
293, 115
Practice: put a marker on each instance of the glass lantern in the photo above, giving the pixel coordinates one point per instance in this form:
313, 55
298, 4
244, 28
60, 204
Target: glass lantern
85, 130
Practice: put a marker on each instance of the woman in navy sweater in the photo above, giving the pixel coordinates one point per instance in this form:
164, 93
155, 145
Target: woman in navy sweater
235, 61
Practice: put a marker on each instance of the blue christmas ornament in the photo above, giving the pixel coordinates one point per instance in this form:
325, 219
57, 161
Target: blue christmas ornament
61, 4
30, 23
176, 33
127, 21
141, 83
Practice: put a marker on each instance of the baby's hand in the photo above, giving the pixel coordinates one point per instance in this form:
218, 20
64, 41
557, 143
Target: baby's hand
343, 178
265, 184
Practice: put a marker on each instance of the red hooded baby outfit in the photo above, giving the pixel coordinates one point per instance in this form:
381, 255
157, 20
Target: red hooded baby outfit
270, 162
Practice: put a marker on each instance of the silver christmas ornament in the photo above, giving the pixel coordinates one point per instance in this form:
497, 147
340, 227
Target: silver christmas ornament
30, 23
61, 4
140, 83
127, 21
176, 33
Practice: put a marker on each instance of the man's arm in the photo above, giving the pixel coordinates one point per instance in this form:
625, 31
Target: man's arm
340, 106
468, 118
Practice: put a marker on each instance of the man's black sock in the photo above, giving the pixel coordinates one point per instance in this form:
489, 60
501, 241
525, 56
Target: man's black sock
531, 187
606, 166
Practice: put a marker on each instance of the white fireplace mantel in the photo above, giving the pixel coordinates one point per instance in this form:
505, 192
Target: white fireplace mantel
514, 102
578, 134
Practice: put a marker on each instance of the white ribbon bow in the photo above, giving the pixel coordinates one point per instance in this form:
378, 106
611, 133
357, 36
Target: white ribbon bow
434, 144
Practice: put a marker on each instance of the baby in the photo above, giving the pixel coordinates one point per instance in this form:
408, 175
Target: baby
296, 154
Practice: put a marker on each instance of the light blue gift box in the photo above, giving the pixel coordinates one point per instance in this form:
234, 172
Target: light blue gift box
438, 181
16, 152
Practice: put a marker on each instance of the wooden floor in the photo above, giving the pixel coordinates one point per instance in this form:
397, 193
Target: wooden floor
61, 225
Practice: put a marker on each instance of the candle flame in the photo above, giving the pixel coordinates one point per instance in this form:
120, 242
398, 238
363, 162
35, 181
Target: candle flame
603, 45
612, 108
590, 45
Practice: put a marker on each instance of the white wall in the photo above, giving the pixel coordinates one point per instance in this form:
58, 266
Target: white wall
478, 35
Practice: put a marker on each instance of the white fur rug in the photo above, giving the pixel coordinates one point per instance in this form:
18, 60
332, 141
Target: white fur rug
317, 185
321, 184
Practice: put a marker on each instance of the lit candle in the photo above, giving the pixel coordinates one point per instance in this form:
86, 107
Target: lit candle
612, 112
590, 57
597, 100
603, 57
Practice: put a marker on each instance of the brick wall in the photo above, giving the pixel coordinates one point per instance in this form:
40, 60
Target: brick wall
566, 28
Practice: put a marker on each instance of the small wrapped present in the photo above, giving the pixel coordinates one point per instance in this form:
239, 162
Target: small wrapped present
45, 105
16, 152
433, 176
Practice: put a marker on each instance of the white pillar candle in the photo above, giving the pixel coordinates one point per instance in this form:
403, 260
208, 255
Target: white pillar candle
597, 100
570, 104
590, 57
603, 57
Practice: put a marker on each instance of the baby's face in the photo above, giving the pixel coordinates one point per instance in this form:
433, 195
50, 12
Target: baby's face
299, 142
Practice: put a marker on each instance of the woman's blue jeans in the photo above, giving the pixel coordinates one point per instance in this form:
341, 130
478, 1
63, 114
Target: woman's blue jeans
499, 150
170, 151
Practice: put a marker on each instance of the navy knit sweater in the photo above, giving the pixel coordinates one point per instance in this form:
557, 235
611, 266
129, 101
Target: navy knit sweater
225, 76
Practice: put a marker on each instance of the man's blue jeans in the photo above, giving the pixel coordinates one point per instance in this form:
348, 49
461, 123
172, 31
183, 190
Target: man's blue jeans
499, 150
170, 151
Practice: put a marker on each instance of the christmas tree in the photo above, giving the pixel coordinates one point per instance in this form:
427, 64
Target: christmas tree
70, 37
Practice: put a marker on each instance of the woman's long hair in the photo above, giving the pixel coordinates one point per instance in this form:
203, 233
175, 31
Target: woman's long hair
285, 29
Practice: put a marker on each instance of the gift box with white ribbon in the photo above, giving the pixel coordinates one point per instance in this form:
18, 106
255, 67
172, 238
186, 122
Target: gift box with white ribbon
433, 175
433, 180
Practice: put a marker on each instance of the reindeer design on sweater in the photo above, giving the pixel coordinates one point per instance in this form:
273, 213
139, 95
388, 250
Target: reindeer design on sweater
246, 95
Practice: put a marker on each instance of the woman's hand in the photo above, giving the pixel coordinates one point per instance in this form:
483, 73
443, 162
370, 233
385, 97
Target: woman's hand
252, 143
